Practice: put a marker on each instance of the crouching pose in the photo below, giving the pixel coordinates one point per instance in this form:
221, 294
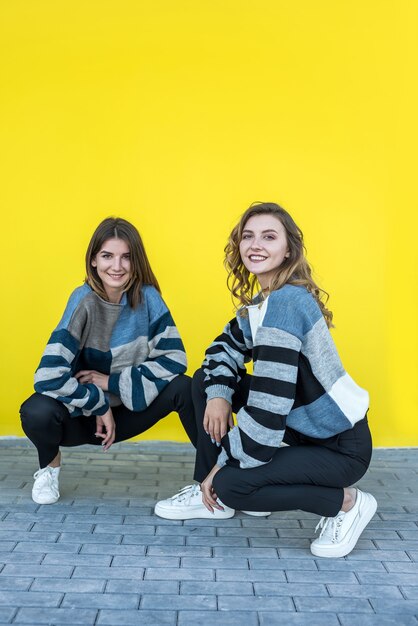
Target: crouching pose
299, 394
115, 364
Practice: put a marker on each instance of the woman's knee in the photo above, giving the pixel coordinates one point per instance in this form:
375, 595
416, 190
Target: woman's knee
38, 411
225, 486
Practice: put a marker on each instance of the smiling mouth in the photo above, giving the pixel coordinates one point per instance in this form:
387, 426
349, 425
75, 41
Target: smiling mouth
116, 276
257, 257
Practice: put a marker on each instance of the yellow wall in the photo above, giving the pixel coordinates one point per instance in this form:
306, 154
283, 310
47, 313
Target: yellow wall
178, 115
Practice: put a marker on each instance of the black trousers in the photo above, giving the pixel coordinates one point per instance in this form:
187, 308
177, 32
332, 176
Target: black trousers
48, 424
308, 474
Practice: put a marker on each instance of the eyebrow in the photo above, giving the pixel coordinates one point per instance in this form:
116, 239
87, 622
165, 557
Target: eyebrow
107, 252
269, 230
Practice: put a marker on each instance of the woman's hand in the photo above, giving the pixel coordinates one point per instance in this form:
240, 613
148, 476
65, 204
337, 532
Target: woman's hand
91, 376
217, 418
106, 429
209, 497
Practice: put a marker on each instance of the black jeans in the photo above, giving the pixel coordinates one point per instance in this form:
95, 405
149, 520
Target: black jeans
48, 424
307, 474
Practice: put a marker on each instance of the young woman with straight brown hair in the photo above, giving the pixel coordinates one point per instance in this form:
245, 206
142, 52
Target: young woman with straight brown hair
115, 364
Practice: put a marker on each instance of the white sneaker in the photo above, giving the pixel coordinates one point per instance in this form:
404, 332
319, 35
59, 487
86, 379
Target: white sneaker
340, 534
45, 488
257, 513
188, 504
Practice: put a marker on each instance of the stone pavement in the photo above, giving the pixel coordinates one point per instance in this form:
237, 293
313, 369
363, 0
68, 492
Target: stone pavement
100, 557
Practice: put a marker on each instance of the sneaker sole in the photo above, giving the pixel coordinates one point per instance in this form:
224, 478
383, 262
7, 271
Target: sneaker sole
257, 513
198, 513
339, 551
39, 501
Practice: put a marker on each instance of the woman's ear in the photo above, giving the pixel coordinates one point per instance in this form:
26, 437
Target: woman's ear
93, 262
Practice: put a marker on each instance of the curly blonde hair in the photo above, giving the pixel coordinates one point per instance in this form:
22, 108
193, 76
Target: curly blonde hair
294, 270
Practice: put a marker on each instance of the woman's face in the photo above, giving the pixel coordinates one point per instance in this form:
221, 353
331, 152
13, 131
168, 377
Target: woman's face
113, 265
263, 247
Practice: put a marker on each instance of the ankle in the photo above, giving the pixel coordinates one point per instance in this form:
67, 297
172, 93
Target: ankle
350, 496
56, 462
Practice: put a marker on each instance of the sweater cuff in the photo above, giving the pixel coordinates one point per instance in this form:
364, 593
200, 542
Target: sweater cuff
219, 391
113, 384
222, 458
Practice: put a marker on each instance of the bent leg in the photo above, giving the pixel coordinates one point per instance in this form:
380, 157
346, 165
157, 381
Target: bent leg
47, 423
176, 396
307, 477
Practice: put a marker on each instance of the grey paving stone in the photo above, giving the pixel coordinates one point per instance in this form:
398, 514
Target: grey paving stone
146, 561
20, 557
183, 573
143, 587
101, 601
67, 585
6, 615
78, 538
255, 603
390, 578
28, 547
253, 553
29, 598
333, 605
268, 564
83, 571
219, 562
364, 591
411, 593
224, 618
298, 619
290, 589
216, 588
7, 546
131, 550
182, 551
36, 571
13, 583
109, 617
408, 567
386, 605
176, 602
348, 619
56, 616
326, 577
249, 575
236, 542
77, 559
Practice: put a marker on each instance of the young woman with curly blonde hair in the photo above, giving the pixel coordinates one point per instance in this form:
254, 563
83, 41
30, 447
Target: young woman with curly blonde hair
299, 394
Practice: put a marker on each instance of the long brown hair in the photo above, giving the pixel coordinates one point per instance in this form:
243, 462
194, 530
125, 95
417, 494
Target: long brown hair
294, 270
142, 274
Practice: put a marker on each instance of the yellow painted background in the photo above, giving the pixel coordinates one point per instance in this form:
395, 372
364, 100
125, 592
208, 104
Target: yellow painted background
178, 115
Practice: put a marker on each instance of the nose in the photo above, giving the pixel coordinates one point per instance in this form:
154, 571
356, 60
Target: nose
255, 244
117, 264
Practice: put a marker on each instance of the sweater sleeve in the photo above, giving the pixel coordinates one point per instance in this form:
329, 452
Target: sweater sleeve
138, 385
262, 421
54, 376
224, 363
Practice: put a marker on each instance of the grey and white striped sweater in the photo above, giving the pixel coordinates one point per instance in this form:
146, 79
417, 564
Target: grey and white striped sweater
298, 378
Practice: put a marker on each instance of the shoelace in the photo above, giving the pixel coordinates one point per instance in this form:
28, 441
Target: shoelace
331, 525
186, 493
46, 472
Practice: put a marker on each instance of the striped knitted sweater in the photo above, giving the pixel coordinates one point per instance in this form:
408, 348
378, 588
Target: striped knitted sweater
298, 379
140, 349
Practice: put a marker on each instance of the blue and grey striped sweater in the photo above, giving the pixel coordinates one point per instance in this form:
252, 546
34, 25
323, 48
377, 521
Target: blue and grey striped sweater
140, 349
298, 378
